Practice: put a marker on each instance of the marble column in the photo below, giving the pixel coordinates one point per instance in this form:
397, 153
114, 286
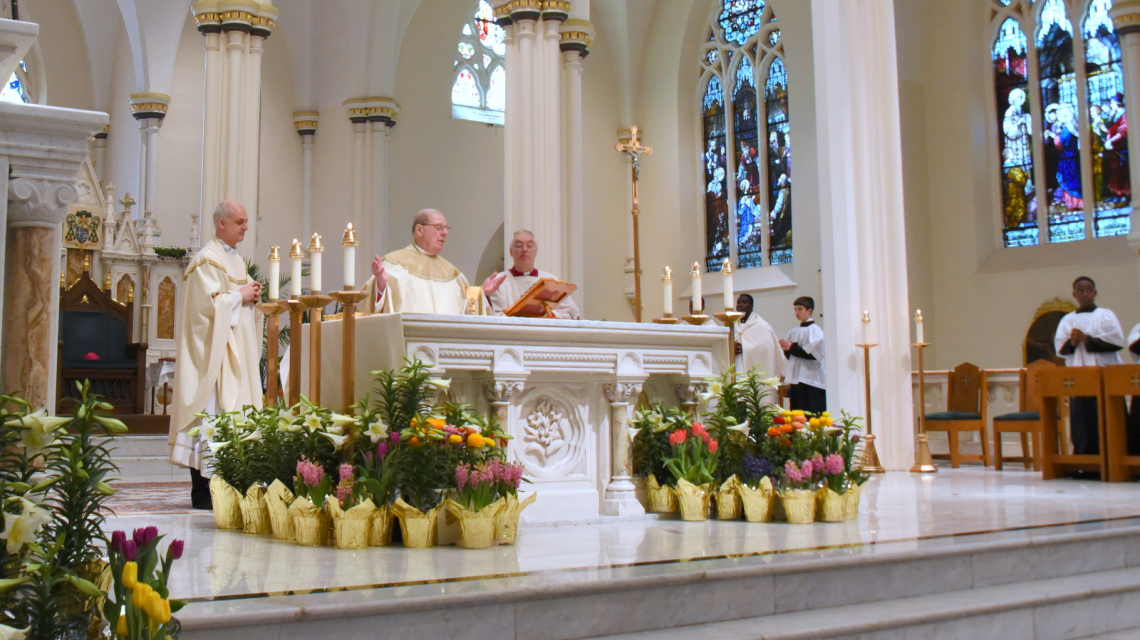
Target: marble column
100, 150
1126, 22
372, 119
149, 109
499, 394
576, 36
861, 217
385, 112
689, 394
306, 124
621, 498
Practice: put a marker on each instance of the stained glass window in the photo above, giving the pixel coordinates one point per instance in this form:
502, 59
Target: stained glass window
1111, 187
1060, 135
747, 140
1011, 81
478, 88
16, 89
715, 172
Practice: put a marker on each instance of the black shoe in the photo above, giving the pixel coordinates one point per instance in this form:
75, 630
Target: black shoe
202, 502
200, 491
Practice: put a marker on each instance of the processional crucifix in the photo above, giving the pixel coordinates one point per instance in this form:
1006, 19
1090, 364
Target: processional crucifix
633, 147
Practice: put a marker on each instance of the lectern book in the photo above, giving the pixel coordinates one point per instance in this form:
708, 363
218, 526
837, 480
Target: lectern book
540, 300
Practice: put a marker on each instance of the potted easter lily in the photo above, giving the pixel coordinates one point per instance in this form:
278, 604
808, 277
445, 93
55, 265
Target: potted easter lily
693, 463
650, 429
227, 466
351, 510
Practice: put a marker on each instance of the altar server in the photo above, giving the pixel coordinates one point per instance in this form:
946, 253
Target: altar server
1087, 337
803, 347
219, 346
756, 343
504, 289
416, 279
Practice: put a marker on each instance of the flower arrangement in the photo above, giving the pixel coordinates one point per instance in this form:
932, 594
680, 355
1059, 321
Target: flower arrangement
478, 486
139, 605
311, 482
694, 456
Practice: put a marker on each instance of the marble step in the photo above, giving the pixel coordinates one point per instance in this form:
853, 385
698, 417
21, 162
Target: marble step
131, 445
144, 459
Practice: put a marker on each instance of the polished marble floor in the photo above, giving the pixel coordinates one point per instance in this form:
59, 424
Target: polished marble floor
900, 512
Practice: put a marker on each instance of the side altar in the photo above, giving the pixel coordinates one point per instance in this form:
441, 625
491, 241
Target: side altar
563, 389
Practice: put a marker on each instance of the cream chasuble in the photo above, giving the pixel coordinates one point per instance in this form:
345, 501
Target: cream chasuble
514, 286
759, 346
419, 282
218, 347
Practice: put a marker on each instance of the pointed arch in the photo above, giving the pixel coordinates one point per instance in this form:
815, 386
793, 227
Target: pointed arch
478, 87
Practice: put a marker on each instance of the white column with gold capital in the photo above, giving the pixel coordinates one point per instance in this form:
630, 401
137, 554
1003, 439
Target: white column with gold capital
149, 109
576, 35
372, 120
306, 124
1126, 22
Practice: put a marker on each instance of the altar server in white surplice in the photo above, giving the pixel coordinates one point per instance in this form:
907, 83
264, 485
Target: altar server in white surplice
757, 345
506, 288
1087, 337
803, 347
219, 347
416, 279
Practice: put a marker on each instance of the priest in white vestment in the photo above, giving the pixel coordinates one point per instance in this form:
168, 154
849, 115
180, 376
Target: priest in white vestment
416, 279
504, 289
757, 345
219, 346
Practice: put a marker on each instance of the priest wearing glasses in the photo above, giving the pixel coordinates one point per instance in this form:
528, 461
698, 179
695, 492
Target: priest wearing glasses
504, 289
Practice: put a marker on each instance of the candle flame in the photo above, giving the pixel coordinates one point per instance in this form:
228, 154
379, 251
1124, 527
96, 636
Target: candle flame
696, 271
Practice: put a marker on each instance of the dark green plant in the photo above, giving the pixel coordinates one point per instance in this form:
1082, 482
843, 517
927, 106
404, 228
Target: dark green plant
650, 447
171, 252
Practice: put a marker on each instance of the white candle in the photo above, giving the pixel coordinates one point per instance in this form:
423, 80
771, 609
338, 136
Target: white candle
296, 256
667, 285
696, 273
315, 250
918, 328
866, 327
729, 294
274, 272
349, 243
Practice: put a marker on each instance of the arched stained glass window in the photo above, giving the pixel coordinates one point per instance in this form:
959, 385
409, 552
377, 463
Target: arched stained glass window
1111, 188
742, 64
478, 88
1082, 193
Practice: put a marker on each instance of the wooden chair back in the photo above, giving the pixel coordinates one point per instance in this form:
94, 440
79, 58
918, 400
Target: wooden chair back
1031, 384
965, 393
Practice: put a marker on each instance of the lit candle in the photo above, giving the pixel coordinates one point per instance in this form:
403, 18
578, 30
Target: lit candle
729, 297
918, 326
296, 255
274, 272
866, 327
349, 242
315, 249
696, 273
667, 285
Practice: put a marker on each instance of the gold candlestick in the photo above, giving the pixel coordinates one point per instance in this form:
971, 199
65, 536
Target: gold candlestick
271, 310
348, 345
729, 318
923, 461
316, 304
296, 309
870, 456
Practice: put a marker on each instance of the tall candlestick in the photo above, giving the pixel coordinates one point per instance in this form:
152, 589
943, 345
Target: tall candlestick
274, 272
729, 294
866, 327
349, 243
315, 249
698, 306
667, 285
296, 255
918, 326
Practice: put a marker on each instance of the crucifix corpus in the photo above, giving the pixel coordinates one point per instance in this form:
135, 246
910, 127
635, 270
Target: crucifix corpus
632, 146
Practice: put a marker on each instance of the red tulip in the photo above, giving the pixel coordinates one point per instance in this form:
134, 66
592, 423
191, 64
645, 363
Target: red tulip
176, 547
713, 446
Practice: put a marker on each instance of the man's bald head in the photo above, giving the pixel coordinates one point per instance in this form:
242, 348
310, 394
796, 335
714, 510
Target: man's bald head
230, 222
429, 231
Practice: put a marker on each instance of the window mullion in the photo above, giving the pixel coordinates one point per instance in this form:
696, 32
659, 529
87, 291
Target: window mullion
1034, 93
1088, 187
762, 145
730, 157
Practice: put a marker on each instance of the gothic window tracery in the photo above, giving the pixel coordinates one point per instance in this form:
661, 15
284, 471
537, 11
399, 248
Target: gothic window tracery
478, 86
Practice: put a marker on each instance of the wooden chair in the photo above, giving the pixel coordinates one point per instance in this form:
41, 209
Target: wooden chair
1119, 381
1026, 421
965, 411
1068, 382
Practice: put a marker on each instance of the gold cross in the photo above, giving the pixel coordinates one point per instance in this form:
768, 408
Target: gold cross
635, 150
1069, 384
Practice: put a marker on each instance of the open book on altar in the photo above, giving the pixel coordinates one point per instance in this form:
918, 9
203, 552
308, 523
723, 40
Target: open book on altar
541, 299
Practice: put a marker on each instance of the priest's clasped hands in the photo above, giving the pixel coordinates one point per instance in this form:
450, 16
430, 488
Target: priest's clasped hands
250, 292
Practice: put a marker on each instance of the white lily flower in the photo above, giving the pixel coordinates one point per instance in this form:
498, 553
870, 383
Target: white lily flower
440, 383
255, 436
8, 633
742, 428
715, 388
286, 418
215, 447
25, 527
39, 430
313, 422
342, 420
291, 427
209, 429
769, 382
338, 441
335, 428
633, 433
377, 431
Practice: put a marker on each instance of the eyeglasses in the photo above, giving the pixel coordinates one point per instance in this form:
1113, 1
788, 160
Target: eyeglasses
439, 227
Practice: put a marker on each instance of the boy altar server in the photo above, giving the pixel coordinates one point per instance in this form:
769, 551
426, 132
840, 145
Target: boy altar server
804, 350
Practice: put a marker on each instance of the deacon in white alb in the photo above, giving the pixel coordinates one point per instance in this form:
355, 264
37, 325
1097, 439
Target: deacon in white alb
219, 346
757, 345
416, 279
504, 289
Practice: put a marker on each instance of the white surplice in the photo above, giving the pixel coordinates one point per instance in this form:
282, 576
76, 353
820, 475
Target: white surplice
1098, 323
810, 372
514, 286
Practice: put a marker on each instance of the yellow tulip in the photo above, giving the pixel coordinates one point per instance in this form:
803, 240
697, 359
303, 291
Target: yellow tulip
138, 596
165, 611
130, 575
121, 627
154, 606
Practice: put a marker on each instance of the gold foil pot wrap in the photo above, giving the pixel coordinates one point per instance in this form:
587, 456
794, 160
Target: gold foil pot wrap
277, 500
507, 520
759, 504
661, 499
380, 531
851, 501
799, 505
476, 528
417, 527
352, 527
227, 504
254, 511
728, 500
310, 523
830, 506
693, 501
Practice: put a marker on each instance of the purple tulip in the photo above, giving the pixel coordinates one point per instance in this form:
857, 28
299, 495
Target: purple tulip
130, 550
394, 437
176, 547
381, 450
117, 540
855, 439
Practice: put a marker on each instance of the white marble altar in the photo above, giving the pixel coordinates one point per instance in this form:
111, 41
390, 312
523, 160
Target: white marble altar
562, 388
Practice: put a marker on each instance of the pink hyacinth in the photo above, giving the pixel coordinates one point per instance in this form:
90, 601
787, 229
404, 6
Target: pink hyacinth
343, 490
461, 474
806, 469
817, 463
346, 472
394, 438
311, 473
833, 464
792, 471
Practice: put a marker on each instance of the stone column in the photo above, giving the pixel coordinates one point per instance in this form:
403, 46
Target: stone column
621, 498
499, 394
689, 394
862, 223
100, 153
150, 110
306, 124
575, 40
372, 119
1126, 21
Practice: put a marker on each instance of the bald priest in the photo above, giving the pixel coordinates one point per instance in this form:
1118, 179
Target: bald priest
504, 289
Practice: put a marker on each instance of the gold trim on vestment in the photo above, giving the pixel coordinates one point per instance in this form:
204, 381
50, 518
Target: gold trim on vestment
423, 265
210, 262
